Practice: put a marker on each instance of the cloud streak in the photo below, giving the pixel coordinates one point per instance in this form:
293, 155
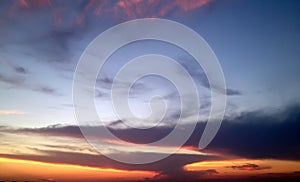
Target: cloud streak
249, 167
19, 82
17, 69
200, 77
11, 112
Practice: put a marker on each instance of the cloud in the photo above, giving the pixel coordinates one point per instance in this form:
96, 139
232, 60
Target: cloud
182, 175
249, 167
20, 69
261, 135
11, 112
120, 9
64, 22
12, 81
20, 82
49, 43
254, 135
46, 90
17, 69
135, 9
54, 130
200, 77
104, 86
233, 92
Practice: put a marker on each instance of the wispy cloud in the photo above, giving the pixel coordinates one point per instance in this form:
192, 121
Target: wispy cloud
17, 69
200, 77
20, 82
11, 112
120, 9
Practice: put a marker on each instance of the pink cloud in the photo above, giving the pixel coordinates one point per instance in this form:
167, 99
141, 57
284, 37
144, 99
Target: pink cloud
10, 112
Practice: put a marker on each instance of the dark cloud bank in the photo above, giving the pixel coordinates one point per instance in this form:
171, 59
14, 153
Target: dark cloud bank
252, 135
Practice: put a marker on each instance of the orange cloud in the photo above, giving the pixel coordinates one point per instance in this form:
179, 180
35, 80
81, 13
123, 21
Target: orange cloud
11, 112
120, 10
246, 167
27, 4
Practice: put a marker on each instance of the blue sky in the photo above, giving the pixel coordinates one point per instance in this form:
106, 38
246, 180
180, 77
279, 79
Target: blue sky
255, 42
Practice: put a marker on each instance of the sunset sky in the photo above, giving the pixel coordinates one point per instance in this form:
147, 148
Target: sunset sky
257, 44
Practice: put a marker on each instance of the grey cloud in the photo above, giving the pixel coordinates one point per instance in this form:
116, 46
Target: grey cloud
12, 81
20, 82
20, 69
199, 76
46, 90
249, 167
104, 86
16, 68
233, 92
260, 135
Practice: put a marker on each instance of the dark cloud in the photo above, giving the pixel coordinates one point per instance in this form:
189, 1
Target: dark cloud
233, 92
229, 91
104, 81
259, 135
20, 69
249, 167
145, 135
103, 86
252, 135
129, 135
167, 167
255, 135
55, 130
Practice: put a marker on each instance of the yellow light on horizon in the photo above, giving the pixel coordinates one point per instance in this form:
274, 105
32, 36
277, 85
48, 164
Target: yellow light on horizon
20, 169
265, 166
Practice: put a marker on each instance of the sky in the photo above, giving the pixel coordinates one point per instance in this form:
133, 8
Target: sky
257, 44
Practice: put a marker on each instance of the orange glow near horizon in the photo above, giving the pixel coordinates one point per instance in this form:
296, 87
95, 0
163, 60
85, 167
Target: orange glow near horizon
226, 167
18, 169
